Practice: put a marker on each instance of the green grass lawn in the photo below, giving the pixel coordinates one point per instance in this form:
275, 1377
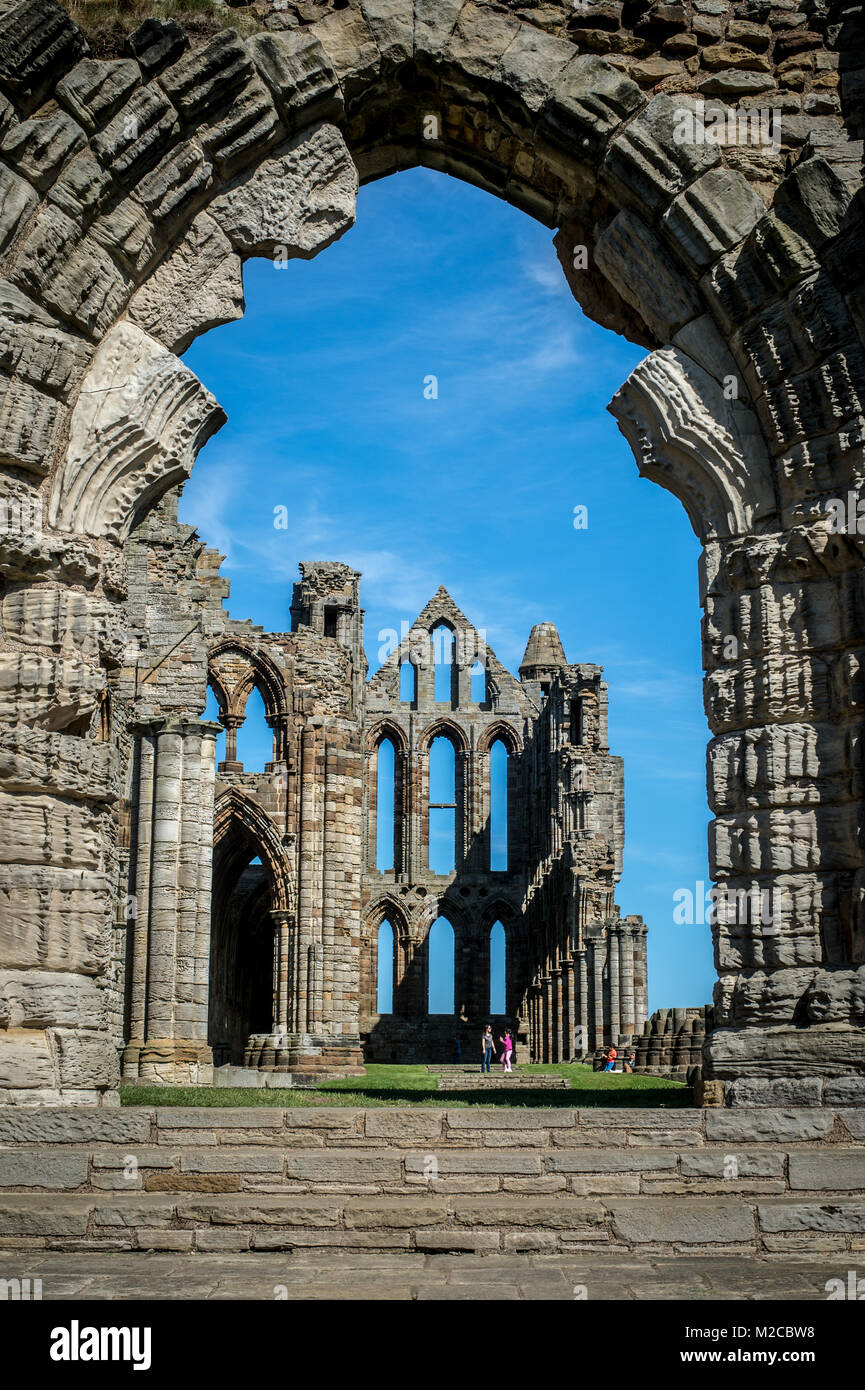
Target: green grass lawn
414, 1085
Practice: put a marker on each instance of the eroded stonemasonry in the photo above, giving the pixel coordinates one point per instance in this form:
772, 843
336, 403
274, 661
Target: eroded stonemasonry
134, 185
267, 957
295, 940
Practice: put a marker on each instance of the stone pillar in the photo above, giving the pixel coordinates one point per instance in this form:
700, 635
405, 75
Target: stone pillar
285, 971
598, 990
231, 723
536, 1023
481, 812
615, 998
556, 1040
314, 981
171, 941
626, 977
570, 1011
462, 813
641, 992
306, 896
547, 1018
583, 1014
402, 810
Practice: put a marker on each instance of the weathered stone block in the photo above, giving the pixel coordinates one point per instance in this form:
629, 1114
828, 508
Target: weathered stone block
589, 100
208, 75
621, 1161
532, 63
17, 201
86, 1059
844, 1090
842, 1215
451, 1161
221, 1240
434, 22
38, 44
156, 43
780, 1091
232, 1160
177, 184
25, 1215
95, 90
716, 1164
82, 188
509, 1119
50, 1125
348, 43
560, 1214
262, 1211
479, 40
72, 276
369, 1167
400, 1215
299, 73
639, 268
197, 287
251, 127
42, 1168
832, 1170
29, 422
713, 214
295, 204
403, 1125
391, 24
135, 139
768, 1125
647, 164
651, 1221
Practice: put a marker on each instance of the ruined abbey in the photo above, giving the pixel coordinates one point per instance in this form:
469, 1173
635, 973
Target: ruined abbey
271, 962
137, 174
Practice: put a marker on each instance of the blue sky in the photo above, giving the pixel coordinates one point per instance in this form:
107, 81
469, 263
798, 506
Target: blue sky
323, 383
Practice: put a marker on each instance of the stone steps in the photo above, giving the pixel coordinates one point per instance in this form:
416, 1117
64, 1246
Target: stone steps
516, 1081
507, 1221
468, 1179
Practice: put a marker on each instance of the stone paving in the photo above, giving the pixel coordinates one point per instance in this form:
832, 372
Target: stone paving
317, 1275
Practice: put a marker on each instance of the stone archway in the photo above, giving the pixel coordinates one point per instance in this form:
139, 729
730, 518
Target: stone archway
134, 188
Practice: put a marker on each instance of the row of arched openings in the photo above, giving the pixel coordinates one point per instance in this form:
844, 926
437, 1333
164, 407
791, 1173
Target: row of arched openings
445, 678
440, 968
442, 806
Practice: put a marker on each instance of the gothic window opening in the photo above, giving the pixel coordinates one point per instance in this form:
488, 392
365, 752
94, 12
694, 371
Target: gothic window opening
254, 736
445, 668
577, 721
407, 682
498, 807
440, 983
442, 806
331, 615
385, 830
479, 684
498, 969
385, 963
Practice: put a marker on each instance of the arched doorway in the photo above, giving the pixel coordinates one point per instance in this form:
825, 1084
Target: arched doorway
247, 890
730, 285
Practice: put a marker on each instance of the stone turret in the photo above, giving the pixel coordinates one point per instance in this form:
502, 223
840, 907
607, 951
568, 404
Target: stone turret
544, 654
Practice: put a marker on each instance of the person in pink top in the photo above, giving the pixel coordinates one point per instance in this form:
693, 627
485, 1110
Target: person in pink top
507, 1050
